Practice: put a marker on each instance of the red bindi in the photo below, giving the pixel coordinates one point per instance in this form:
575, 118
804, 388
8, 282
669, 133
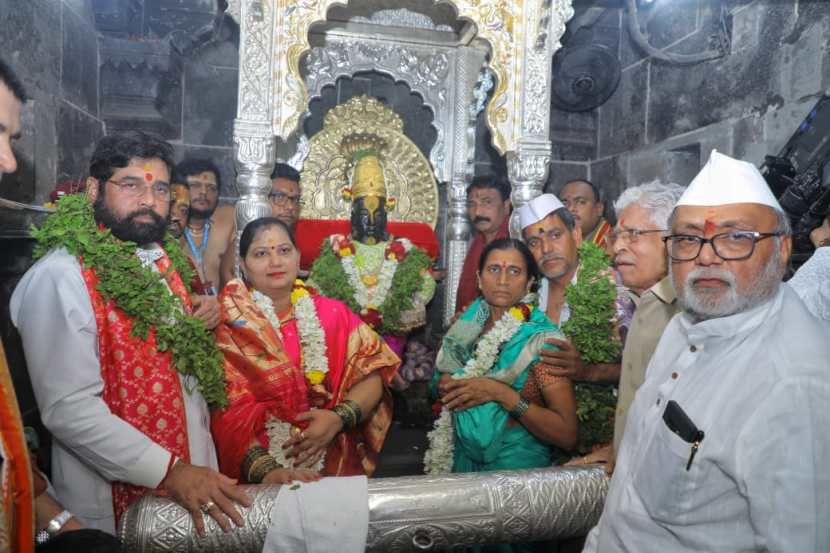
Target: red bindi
148, 177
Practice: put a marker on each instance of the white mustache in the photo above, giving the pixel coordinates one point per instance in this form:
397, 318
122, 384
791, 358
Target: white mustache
706, 273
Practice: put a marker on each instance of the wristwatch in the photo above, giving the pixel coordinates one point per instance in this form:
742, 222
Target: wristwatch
53, 527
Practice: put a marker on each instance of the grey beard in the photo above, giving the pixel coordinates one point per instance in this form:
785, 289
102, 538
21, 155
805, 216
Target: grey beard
702, 306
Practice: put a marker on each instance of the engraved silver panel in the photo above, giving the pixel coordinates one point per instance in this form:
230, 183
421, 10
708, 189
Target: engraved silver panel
411, 513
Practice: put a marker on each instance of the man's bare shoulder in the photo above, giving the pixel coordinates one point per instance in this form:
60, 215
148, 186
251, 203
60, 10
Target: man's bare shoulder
224, 216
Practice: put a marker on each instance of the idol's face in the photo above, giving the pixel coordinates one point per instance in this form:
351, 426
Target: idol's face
272, 262
369, 219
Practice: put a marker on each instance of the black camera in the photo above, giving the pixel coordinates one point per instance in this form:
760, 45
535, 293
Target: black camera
800, 177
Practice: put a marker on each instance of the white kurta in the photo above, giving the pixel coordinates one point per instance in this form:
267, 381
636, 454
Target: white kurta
758, 385
812, 283
91, 447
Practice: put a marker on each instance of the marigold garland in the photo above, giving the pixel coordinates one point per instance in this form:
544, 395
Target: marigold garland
138, 291
331, 279
591, 329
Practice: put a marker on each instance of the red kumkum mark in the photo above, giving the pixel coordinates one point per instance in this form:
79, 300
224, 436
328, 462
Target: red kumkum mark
148, 177
709, 227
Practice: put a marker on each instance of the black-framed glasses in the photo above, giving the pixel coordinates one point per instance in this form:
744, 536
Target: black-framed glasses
282, 199
730, 246
136, 187
632, 235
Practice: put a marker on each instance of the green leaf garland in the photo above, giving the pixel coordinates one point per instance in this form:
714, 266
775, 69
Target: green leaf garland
138, 291
330, 278
591, 329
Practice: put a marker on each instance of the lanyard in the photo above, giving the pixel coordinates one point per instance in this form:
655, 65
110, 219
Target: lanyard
198, 253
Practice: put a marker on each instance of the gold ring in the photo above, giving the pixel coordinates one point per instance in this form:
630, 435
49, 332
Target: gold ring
205, 508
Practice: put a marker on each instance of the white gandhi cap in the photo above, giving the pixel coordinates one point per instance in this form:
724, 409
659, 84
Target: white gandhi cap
724, 180
538, 208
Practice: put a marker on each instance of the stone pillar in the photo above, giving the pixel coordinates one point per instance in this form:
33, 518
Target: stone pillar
253, 138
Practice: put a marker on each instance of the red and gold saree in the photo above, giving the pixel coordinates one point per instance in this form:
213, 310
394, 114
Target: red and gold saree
265, 380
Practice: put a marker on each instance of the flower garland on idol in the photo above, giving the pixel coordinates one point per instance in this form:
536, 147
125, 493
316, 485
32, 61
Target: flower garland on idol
138, 291
315, 364
335, 274
439, 457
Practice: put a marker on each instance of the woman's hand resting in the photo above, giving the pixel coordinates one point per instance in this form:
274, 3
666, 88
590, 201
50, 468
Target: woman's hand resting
312, 442
460, 394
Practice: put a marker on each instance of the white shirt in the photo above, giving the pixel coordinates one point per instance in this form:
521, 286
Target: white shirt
812, 283
758, 385
91, 447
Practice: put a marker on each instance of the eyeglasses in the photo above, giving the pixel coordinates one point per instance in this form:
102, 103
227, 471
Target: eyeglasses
630, 236
729, 246
282, 199
136, 187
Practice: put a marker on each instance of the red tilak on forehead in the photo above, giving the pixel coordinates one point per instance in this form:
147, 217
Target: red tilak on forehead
709, 226
148, 177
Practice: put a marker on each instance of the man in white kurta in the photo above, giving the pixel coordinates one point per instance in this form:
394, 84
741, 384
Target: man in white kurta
748, 366
92, 447
52, 309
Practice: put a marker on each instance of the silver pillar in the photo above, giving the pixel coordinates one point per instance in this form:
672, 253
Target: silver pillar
254, 143
528, 172
467, 69
411, 513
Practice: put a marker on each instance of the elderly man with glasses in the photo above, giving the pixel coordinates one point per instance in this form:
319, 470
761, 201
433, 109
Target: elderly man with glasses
726, 440
640, 258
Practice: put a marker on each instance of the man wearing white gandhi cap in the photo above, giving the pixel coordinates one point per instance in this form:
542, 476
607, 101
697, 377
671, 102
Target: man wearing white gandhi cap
550, 232
726, 442
553, 238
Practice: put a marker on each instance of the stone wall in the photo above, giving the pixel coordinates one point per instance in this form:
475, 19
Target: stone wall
53, 47
663, 120
171, 68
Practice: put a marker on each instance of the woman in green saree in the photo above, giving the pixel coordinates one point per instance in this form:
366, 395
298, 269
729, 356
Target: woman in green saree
501, 410
506, 411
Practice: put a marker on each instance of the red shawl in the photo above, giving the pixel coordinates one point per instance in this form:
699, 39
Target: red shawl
141, 384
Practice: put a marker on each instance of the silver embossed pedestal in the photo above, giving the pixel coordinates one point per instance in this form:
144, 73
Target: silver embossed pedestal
411, 513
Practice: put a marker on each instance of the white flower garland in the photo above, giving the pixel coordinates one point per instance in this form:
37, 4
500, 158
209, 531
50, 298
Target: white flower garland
385, 276
312, 336
315, 362
439, 457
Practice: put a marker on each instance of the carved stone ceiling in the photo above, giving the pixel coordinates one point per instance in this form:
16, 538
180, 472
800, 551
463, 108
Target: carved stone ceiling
442, 15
